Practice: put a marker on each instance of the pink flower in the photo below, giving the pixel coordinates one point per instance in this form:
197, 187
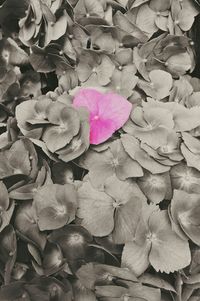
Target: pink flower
108, 112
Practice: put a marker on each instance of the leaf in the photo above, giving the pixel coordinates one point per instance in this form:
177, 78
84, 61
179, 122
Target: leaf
96, 210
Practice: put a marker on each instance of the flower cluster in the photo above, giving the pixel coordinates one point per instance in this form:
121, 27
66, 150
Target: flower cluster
99, 150
64, 131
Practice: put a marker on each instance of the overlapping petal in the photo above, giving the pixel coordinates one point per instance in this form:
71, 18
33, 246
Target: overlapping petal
108, 112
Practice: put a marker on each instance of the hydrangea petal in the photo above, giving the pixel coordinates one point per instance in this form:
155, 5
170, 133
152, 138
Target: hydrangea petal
115, 107
169, 252
108, 112
88, 98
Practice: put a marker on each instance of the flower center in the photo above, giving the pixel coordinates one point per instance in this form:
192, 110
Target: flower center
166, 149
60, 210
76, 239
187, 179
5, 54
63, 126
115, 162
96, 117
108, 277
155, 181
151, 237
116, 204
40, 116
149, 127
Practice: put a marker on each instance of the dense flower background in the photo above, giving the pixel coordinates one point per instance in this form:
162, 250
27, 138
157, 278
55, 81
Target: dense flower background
99, 150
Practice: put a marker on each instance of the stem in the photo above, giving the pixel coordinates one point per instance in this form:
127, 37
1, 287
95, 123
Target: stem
178, 286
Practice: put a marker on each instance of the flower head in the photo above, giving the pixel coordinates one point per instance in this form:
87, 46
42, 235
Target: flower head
108, 112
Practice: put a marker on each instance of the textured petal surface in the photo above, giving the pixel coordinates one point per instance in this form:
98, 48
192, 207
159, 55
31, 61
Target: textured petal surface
108, 112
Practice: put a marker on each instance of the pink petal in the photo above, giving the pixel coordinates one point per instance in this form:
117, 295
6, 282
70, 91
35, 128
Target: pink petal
101, 130
115, 107
88, 98
108, 112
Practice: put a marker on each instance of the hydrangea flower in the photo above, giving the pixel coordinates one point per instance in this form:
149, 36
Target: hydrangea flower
108, 112
99, 187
